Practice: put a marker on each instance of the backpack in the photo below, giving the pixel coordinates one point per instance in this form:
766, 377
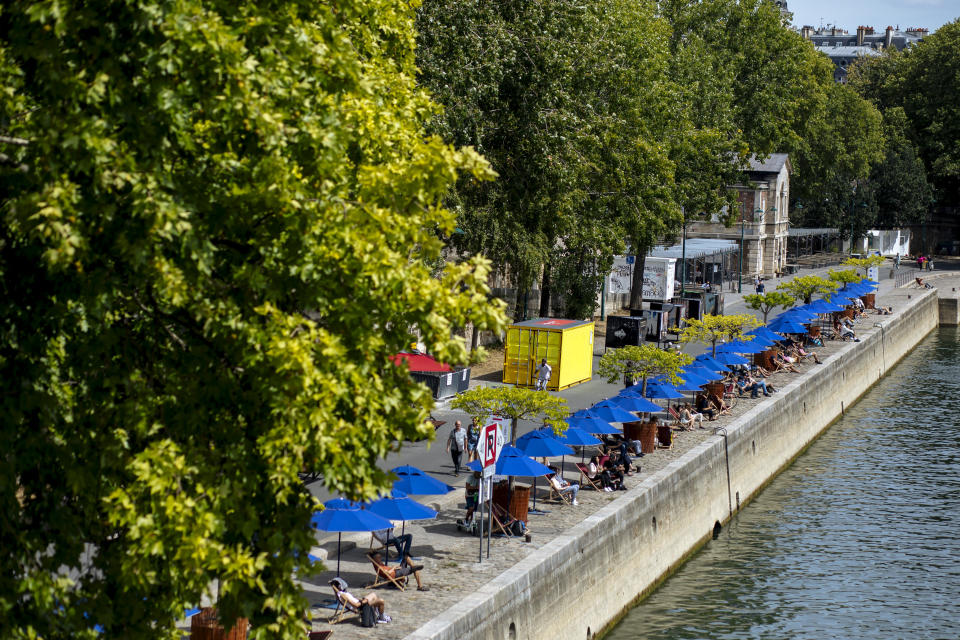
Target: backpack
517, 527
368, 616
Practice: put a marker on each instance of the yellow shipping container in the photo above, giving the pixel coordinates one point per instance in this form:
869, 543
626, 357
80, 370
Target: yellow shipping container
566, 344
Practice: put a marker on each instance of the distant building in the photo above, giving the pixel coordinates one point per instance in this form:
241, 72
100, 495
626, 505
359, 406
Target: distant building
844, 48
762, 221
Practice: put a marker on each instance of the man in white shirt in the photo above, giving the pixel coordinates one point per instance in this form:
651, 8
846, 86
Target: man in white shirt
543, 374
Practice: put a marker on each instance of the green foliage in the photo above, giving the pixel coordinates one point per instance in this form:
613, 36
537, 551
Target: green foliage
568, 103
218, 225
517, 403
923, 81
640, 362
899, 184
712, 329
864, 263
805, 287
844, 276
767, 302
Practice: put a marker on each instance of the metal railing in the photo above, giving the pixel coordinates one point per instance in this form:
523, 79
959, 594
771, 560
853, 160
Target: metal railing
906, 276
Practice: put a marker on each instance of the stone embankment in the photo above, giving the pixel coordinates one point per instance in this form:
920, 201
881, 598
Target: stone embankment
586, 565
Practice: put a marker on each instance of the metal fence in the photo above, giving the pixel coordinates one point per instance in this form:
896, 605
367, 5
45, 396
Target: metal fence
906, 276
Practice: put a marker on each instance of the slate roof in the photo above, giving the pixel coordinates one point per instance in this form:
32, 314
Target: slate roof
773, 164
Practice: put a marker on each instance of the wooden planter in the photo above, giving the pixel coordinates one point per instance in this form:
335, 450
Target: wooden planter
847, 313
715, 388
648, 437
814, 331
869, 300
206, 626
520, 502
665, 436
632, 430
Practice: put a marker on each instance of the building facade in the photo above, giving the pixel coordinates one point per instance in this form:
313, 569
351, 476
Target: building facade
762, 222
844, 48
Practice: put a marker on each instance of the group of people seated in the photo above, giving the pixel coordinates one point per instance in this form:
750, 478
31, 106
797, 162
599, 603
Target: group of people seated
606, 470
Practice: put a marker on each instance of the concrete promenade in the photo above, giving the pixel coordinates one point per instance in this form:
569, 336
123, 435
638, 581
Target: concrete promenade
462, 588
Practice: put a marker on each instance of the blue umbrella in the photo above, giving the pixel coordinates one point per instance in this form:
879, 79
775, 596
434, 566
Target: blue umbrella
513, 462
872, 283
730, 359
346, 519
825, 306
540, 444
709, 374
694, 378
397, 506
610, 412
413, 481
632, 402
662, 390
739, 346
787, 326
709, 362
575, 437
764, 333
591, 424
797, 315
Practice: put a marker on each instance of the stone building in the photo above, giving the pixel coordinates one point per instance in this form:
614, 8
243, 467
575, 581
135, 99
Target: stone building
763, 222
844, 48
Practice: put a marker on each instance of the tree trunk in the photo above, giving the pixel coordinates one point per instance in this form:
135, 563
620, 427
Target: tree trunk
636, 285
474, 338
513, 433
545, 292
520, 308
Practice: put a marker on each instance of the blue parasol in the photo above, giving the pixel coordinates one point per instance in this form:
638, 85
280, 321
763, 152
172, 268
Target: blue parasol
611, 412
708, 374
730, 359
765, 334
630, 402
740, 346
825, 306
413, 481
397, 506
513, 462
347, 518
540, 444
787, 326
662, 390
591, 424
710, 362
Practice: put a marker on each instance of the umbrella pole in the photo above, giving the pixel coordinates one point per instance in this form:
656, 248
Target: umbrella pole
338, 553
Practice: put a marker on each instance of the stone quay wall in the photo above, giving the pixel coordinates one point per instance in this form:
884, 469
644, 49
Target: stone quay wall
582, 582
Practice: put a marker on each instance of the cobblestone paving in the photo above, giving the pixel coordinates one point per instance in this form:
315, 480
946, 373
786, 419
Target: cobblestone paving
450, 557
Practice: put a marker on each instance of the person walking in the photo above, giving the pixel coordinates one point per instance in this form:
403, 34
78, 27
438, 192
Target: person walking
543, 375
896, 262
456, 445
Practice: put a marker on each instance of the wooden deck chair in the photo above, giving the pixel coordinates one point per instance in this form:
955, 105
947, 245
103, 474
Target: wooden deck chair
378, 540
343, 607
499, 516
555, 493
319, 635
665, 436
382, 577
585, 480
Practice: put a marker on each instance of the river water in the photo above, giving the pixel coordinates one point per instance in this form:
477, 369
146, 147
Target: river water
858, 539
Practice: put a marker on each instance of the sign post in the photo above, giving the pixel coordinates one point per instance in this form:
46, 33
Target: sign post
489, 447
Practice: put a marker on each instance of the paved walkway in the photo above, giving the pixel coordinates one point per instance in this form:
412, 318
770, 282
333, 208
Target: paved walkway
450, 557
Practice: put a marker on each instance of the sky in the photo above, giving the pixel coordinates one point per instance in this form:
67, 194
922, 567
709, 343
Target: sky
848, 14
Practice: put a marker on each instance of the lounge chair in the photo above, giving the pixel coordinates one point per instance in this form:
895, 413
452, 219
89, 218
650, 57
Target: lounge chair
665, 436
378, 540
555, 491
343, 609
585, 480
923, 285
382, 577
319, 635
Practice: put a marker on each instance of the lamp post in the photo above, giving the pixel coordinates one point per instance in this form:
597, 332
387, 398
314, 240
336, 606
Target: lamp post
683, 254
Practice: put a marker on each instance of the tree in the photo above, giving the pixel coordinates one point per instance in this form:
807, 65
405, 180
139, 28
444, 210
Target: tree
844, 277
517, 403
640, 362
767, 302
865, 263
924, 81
564, 100
899, 183
218, 225
805, 287
713, 329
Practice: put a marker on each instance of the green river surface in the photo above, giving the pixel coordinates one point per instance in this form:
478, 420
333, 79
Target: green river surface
858, 539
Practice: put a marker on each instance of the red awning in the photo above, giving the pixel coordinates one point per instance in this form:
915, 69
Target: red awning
420, 362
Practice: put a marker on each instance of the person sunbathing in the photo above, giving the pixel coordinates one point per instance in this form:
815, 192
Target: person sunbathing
718, 404
352, 603
782, 364
561, 486
688, 419
400, 571
803, 354
844, 332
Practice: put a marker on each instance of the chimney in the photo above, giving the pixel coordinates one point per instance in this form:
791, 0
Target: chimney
833, 31
889, 39
806, 32
861, 31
